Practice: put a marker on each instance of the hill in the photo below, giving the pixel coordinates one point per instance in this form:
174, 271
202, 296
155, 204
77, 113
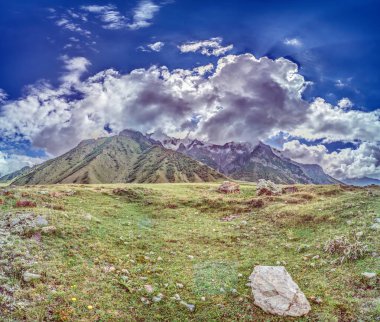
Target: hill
11, 176
127, 157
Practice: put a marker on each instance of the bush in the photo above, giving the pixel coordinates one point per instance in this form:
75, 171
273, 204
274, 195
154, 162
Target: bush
25, 204
348, 249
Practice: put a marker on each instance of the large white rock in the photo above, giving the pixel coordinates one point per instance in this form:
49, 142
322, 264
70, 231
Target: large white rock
275, 292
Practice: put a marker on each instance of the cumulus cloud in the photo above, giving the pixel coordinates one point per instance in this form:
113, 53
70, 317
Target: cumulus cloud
241, 98
334, 123
343, 164
13, 162
157, 46
293, 42
74, 69
3, 96
345, 103
211, 47
143, 14
109, 15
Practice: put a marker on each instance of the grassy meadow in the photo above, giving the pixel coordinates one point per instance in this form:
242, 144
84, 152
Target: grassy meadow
149, 252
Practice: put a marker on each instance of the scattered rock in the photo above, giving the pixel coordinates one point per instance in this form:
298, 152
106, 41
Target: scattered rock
369, 275
375, 226
29, 277
87, 217
109, 269
229, 187
190, 307
149, 288
267, 188
275, 292
41, 221
177, 297
48, 230
179, 285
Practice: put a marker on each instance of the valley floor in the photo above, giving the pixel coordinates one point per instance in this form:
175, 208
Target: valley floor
150, 252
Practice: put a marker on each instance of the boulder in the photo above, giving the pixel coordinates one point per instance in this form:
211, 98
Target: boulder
267, 188
275, 292
229, 187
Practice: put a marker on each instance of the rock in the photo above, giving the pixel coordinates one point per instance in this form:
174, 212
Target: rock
157, 298
359, 234
177, 297
41, 221
148, 288
179, 285
229, 187
190, 307
48, 230
375, 226
275, 292
377, 220
87, 217
267, 188
369, 275
28, 277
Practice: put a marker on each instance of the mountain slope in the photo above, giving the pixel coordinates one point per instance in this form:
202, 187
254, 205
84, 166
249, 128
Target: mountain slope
127, 157
243, 161
14, 175
362, 182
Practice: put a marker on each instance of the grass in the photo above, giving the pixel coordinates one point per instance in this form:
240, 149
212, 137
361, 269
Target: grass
172, 237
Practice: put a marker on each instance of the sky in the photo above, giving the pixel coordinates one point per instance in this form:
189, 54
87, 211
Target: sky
302, 76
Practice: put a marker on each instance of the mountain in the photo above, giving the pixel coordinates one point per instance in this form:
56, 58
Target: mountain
127, 157
244, 161
365, 181
9, 177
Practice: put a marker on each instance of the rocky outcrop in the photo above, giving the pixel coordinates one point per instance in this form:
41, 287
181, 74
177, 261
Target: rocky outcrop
229, 187
275, 292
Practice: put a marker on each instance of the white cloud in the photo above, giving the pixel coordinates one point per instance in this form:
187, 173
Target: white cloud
143, 14
71, 26
3, 95
241, 98
13, 162
332, 123
346, 163
293, 42
75, 67
211, 47
109, 15
157, 46
345, 103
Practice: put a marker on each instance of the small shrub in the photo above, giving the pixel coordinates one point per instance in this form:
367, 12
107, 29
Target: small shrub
256, 203
25, 204
347, 249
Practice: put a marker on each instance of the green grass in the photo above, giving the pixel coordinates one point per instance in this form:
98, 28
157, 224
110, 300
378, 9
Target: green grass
181, 224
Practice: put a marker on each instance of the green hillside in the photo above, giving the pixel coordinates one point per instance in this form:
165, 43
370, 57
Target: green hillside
128, 157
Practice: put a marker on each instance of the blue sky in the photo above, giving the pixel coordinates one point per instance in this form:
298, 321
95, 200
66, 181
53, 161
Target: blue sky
335, 45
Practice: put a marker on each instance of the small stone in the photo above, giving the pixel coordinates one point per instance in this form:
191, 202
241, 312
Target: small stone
41, 221
109, 269
377, 220
148, 288
240, 275
190, 307
191, 257
203, 299
145, 300
48, 230
369, 275
87, 217
157, 298
159, 258
28, 277
179, 285
177, 297
375, 226
316, 257
359, 234
125, 271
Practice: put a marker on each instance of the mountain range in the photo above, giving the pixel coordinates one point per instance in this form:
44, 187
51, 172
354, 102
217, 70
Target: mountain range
134, 157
